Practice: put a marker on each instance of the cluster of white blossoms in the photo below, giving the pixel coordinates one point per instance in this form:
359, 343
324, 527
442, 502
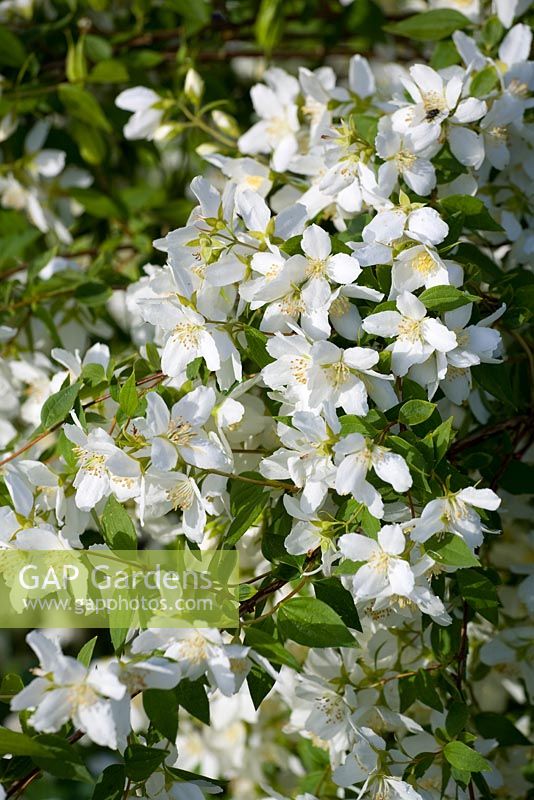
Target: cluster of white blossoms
312, 330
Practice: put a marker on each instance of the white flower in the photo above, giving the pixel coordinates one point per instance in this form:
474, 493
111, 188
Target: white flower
434, 98
344, 377
199, 652
178, 432
422, 266
145, 122
417, 336
166, 491
306, 457
66, 690
290, 368
408, 155
358, 765
456, 514
385, 571
152, 673
276, 131
356, 456
104, 468
392, 226
309, 533
188, 336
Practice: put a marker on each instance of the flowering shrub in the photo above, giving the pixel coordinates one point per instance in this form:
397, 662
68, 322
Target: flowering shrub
324, 361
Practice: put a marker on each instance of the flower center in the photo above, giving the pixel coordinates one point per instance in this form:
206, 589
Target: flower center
518, 88
253, 181
292, 305
316, 267
82, 694
339, 307
299, 369
405, 160
410, 329
91, 462
182, 495
380, 561
194, 649
337, 373
499, 132
180, 432
424, 263
188, 334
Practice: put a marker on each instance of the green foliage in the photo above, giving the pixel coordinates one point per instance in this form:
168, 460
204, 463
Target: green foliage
312, 622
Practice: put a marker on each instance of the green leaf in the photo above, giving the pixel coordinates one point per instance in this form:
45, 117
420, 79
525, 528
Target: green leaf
86, 652
196, 15
260, 684
456, 720
62, 759
475, 213
117, 527
59, 405
484, 82
311, 622
462, 757
426, 691
332, 592
269, 23
108, 71
416, 411
495, 379
140, 762
96, 203
450, 550
257, 349
12, 51
192, 696
266, 645
82, 105
245, 511
161, 707
429, 26
439, 439
128, 398
19, 744
11, 685
110, 784
445, 298
491, 725
479, 592
92, 293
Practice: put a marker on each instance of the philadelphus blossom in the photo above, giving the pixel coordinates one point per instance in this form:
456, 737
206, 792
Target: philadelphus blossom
64, 689
417, 336
322, 367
